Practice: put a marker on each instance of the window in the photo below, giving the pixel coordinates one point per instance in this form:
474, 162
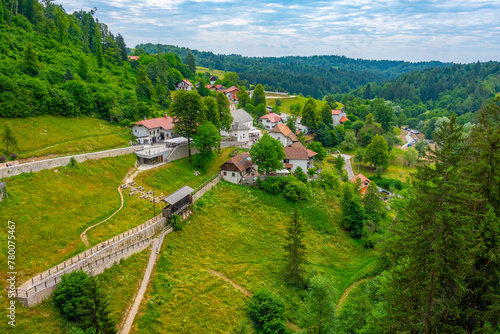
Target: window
287, 161
225, 173
233, 174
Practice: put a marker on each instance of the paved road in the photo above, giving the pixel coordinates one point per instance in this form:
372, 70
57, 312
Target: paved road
347, 167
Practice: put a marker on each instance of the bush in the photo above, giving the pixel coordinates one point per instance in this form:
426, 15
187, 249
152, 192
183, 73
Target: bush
13, 156
267, 311
387, 182
70, 295
177, 223
3, 158
275, 184
72, 162
295, 191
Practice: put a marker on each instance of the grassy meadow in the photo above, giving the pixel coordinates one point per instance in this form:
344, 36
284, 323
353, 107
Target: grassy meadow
180, 173
396, 169
218, 73
286, 102
55, 135
239, 232
52, 207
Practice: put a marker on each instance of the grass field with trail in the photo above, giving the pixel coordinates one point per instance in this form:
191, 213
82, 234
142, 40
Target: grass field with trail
180, 173
239, 232
52, 207
218, 73
57, 135
286, 102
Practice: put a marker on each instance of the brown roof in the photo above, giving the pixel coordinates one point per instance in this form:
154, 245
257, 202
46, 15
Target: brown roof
335, 112
166, 123
361, 177
186, 81
213, 78
241, 161
230, 89
296, 153
285, 130
310, 153
273, 117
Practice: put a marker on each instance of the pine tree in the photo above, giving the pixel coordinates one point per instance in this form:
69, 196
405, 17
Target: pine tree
317, 313
353, 215
83, 68
225, 117
120, 41
211, 112
95, 312
259, 96
429, 243
295, 249
310, 116
190, 62
163, 95
326, 115
144, 87
30, 61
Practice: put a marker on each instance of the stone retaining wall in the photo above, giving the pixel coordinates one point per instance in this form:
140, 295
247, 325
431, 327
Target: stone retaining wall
63, 161
93, 261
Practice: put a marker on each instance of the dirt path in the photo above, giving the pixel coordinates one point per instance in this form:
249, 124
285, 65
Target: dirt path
137, 302
247, 293
347, 291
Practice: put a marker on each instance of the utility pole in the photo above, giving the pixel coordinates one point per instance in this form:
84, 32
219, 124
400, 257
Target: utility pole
154, 203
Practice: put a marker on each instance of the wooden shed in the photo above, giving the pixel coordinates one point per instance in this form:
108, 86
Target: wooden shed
177, 202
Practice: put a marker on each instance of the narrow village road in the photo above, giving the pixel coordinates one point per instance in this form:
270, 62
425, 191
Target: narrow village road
135, 307
348, 167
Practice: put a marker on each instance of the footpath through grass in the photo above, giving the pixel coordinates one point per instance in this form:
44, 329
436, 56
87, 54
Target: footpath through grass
180, 173
286, 102
239, 231
57, 135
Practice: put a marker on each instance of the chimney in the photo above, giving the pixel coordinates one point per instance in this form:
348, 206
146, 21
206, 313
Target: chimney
145, 118
165, 115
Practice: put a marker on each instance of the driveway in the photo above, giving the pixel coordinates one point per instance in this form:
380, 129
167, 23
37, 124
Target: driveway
347, 159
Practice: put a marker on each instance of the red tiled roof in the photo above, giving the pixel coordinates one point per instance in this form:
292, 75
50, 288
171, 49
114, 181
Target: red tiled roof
295, 153
273, 117
343, 119
285, 130
230, 89
166, 123
363, 191
133, 57
335, 112
186, 81
241, 161
310, 153
361, 177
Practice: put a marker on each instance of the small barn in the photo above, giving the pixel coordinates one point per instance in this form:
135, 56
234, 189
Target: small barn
178, 202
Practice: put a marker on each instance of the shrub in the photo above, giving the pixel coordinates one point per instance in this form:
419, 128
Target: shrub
300, 175
295, 191
72, 162
70, 295
267, 311
3, 158
177, 223
13, 156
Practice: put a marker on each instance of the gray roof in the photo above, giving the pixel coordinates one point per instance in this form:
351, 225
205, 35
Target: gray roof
241, 116
178, 195
239, 126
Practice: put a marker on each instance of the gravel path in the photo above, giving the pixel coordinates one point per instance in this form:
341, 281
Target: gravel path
348, 167
347, 291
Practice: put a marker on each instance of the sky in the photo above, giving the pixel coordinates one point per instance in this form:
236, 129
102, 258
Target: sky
460, 31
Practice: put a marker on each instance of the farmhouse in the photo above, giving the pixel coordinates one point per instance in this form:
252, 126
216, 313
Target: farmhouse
298, 156
339, 116
283, 133
213, 79
364, 182
150, 131
185, 85
270, 120
231, 93
235, 168
242, 127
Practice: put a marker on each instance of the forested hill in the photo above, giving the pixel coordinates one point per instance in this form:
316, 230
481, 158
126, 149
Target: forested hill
316, 75
460, 88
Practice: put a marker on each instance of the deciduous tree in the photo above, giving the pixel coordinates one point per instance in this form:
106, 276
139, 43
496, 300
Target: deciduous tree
206, 139
259, 96
268, 154
318, 310
225, 117
310, 115
377, 153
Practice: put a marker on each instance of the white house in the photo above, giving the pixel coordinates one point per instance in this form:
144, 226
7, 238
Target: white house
270, 120
298, 156
235, 168
241, 131
231, 93
339, 116
185, 85
153, 130
213, 79
242, 126
283, 134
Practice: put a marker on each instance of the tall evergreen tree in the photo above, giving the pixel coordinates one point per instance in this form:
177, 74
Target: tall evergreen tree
295, 249
225, 117
326, 115
429, 243
211, 112
83, 68
318, 310
95, 312
144, 87
188, 108
353, 215
163, 95
30, 61
310, 115
190, 62
9, 139
120, 41
259, 96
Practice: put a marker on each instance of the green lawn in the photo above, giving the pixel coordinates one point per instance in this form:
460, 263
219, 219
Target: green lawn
52, 207
286, 102
239, 231
218, 73
180, 173
396, 169
45, 135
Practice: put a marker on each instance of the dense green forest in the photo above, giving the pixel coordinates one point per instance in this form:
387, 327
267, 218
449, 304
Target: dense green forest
315, 76
64, 64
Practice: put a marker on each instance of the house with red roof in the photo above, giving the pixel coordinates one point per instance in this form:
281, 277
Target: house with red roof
339, 116
150, 131
297, 155
364, 183
231, 93
185, 85
270, 120
133, 57
283, 133
236, 168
